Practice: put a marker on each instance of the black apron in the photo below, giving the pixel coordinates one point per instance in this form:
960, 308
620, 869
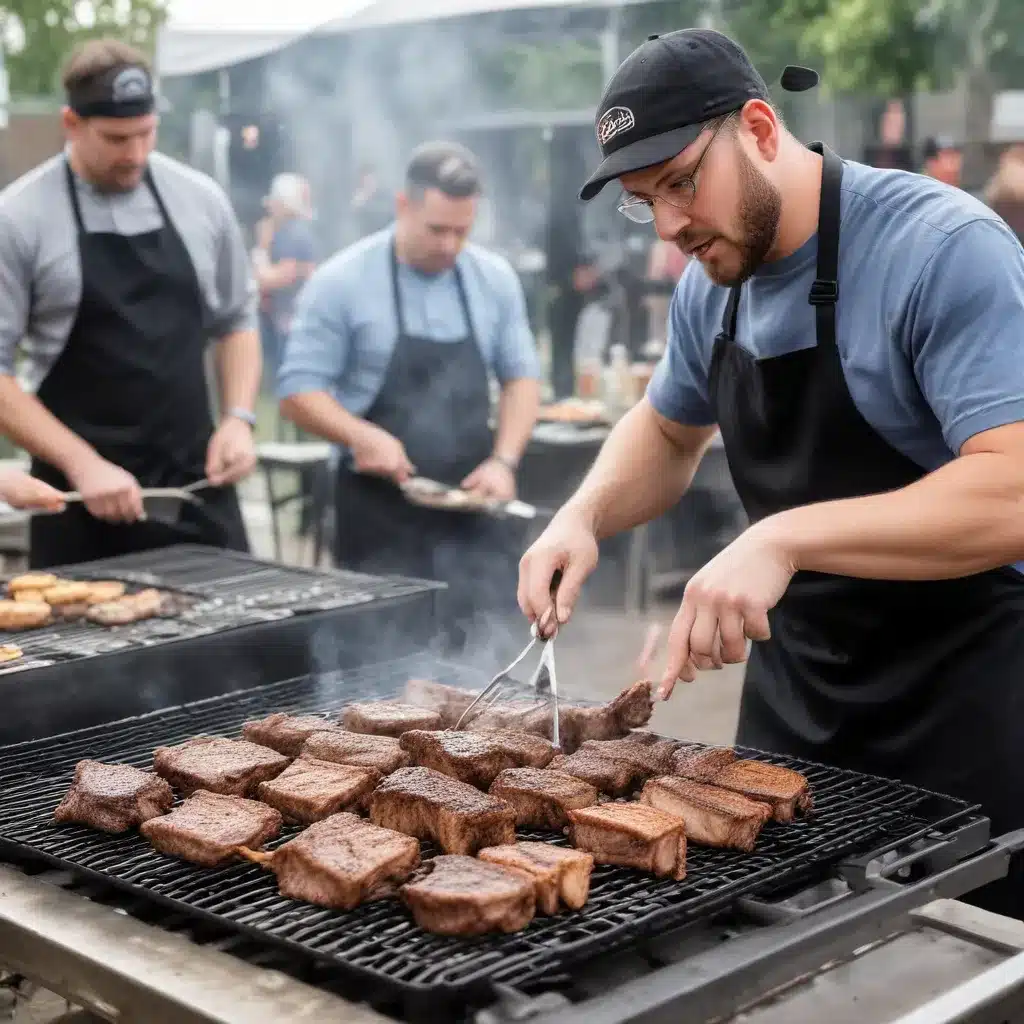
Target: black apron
131, 382
435, 400
917, 681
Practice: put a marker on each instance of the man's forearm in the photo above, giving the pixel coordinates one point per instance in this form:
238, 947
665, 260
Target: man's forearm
320, 414
964, 518
31, 426
640, 471
239, 369
517, 414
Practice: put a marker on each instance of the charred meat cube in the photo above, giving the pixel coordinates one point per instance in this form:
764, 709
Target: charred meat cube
382, 753
208, 828
465, 896
632, 836
522, 715
560, 875
284, 733
449, 702
229, 767
785, 790
615, 778
652, 759
542, 798
341, 862
388, 718
576, 724
701, 764
113, 797
713, 816
309, 790
475, 758
428, 805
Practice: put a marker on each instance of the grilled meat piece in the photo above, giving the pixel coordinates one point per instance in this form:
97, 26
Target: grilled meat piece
560, 875
67, 592
713, 816
652, 758
388, 718
521, 715
701, 764
541, 799
24, 614
309, 790
785, 790
113, 797
448, 701
37, 581
230, 767
428, 805
615, 778
105, 590
341, 862
208, 828
476, 758
111, 613
382, 753
284, 733
632, 836
465, 896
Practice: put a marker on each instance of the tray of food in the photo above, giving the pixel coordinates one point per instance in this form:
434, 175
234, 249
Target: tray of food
433, 494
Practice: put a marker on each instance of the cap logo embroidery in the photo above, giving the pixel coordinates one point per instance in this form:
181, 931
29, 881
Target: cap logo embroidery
614, 121
130, 84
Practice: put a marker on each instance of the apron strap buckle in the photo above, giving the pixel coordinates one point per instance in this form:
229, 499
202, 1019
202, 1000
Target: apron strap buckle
824, 293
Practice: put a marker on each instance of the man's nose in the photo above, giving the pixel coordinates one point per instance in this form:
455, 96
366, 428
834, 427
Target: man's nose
669, 221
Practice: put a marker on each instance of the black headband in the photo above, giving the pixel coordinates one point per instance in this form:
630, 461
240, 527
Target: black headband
125, 91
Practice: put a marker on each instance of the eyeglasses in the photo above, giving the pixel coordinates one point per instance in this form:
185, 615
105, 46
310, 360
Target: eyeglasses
679, 193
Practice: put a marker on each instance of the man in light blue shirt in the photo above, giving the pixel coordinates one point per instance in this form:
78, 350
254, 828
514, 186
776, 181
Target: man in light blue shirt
390, 356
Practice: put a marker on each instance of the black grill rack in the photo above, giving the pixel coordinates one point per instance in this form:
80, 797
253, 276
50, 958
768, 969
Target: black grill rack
377, 947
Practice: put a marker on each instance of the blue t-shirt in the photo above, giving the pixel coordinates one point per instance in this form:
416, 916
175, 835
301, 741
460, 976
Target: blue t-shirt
930, 318
293, 240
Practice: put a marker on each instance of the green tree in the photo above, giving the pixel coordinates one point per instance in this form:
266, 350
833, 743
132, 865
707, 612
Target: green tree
38, 34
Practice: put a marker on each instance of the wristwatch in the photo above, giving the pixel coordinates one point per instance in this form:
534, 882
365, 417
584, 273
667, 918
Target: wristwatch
242, 414
509, 464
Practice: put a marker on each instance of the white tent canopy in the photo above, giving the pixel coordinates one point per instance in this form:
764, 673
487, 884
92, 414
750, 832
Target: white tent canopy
205, 35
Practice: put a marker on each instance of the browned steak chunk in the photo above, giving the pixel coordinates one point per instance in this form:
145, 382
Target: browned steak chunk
785, 790
701, 764
208, 828
284, 733
448, 701
382, 753
465, 896
542, 798
341, 862
229, 767
309, 790
560, 875
428, 805
113, 797
475, 758
615, 778
632, 836
652, 759
388, 718
713, 816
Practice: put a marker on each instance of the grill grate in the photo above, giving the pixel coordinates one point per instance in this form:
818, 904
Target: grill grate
230, 590
377, 945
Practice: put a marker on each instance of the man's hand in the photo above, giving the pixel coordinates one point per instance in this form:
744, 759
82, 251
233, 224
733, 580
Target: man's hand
20, 490
378, 453
568, 544
231, 453
109, 492
491, 479
726, 604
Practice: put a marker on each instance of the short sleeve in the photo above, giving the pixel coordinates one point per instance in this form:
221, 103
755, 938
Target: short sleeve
965, 331
679, 388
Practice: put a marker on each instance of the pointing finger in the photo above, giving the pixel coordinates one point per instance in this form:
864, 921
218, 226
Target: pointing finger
678, 665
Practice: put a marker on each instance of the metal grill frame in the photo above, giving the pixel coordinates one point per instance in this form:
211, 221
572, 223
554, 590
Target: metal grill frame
625, 906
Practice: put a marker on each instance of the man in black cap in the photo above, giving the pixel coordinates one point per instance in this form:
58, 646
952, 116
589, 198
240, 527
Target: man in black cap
118, 267
855, 334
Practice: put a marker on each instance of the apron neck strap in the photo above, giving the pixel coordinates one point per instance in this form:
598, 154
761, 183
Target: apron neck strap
76, 205
397, 294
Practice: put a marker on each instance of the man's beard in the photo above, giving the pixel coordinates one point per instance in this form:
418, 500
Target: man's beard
760, 210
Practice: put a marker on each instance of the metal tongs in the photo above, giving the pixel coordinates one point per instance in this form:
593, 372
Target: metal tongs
544, 681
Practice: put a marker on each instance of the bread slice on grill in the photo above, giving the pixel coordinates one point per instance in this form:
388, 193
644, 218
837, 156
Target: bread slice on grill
632, 835
615, 778
542, 798
284, 733
700, 763
228, 767
388, 718
341, 862
561, 876
464, 896
787, 791
476, 758
382, 753
208, 828
428, 805
713, 816
309, 790
113, 797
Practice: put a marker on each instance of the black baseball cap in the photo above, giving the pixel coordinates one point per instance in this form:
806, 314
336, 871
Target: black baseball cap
666, 90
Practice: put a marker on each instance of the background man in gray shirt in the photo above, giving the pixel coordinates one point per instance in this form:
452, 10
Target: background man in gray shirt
117, 267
